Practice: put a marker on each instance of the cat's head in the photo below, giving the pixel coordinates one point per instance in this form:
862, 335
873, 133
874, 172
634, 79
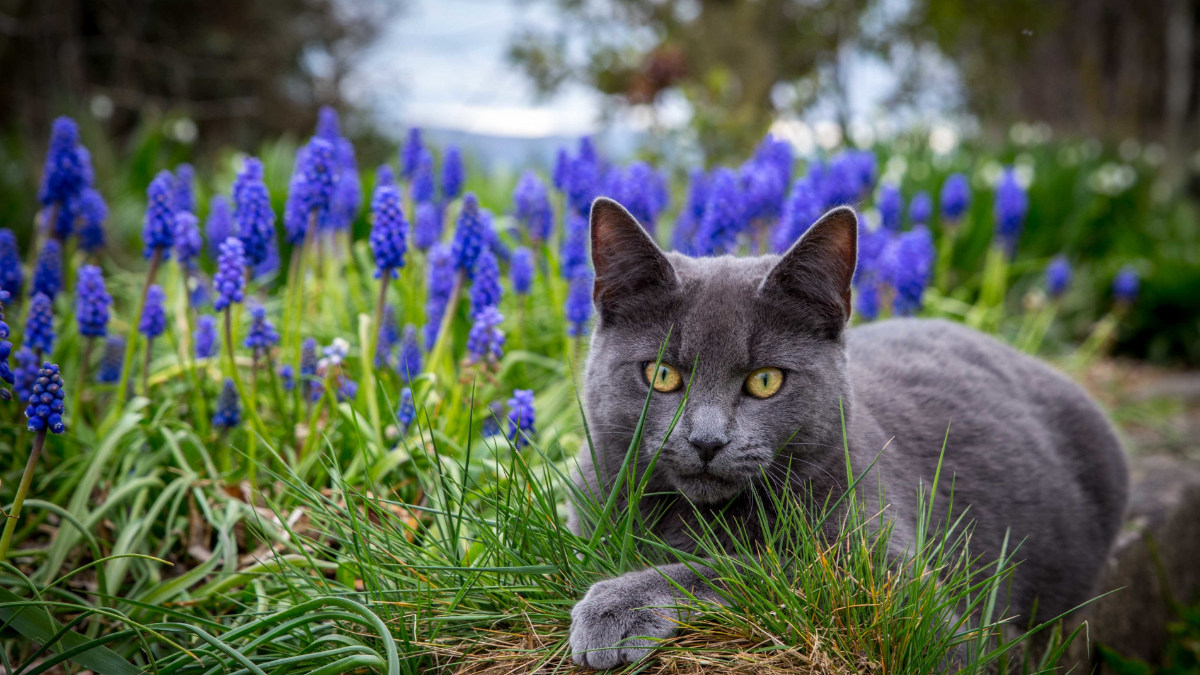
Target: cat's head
764, 335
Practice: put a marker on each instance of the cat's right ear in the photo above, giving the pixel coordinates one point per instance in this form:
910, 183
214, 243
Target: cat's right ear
630, 267
816, 273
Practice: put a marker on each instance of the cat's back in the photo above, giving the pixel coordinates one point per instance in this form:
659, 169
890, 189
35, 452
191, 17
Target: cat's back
1028, 449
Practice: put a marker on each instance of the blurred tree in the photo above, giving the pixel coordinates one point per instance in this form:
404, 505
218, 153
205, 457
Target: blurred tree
231, 71
1108, 68
726, 56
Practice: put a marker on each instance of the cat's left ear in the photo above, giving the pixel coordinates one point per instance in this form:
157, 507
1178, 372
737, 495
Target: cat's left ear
630, 268
817, 271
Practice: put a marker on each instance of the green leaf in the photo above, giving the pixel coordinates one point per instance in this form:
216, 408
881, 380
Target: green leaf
39, 626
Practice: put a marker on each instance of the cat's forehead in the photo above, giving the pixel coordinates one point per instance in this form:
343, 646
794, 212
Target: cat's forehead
718, 304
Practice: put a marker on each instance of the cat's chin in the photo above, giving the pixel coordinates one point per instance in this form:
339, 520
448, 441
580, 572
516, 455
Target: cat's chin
706, 487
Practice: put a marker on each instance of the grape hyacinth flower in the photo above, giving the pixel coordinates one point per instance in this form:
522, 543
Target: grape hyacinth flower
683, 238
800, 211
389, 232
112, 360
910, 261
1012, 205
328, 126
428, 228
219, 225
6, 374
562, 167
262, 334
955, 197
158, 231
230, 280
154, 315
638, 190
723, 215
229, 409
25, 374
410, 155
92, 302
187, 238
531, 206
1126, 285
441, 286
891, 207
385, 177
46, 408
308, 369
521, 417
48, 274
920, 209
11, 277
205, 339
408, 361
287, 375
454, 173
867, 300
491, 421
521, 270
347, 194
311, 189
39, 325
66, 172
252, 212
1058, 276
583, 178
471, 235
485, 342
93, 211
423, 187
184, 198
579, 304
406, 413
347, 389
574, 256
486, 290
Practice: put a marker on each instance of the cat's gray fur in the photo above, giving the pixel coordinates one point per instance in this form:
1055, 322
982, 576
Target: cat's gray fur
1028, 449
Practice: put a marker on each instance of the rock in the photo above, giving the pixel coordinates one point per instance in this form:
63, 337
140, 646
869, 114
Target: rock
1155, 562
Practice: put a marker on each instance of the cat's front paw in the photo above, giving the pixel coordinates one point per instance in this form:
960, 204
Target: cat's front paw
620, 621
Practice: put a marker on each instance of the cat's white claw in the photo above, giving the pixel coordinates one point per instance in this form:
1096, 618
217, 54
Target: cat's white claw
618, 622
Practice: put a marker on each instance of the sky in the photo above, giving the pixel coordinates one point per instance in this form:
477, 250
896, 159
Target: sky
441, 65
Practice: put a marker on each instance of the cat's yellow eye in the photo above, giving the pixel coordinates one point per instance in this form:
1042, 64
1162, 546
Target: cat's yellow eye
663, 377
764, 382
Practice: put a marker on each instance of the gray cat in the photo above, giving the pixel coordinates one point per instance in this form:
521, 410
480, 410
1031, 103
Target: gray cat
1028, 449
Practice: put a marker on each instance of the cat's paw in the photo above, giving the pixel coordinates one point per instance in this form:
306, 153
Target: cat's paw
620, 621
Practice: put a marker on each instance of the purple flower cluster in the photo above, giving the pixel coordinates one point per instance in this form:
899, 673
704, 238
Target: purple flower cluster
262, 334
800, 211
684, 236
93, 211
428, 228
920, 209
46, 396
252, 212
39, 325
521, 270
486, 290
111, 361
91, 302
205, 338
230, 280
642, 190
423, 187
187, 237
440, 285
6, 374
908, 261
1011, 207
219, 225
154, 314
184, 196
1058, 276
406, 412
891, 207
229, 408
158, 228
521, 417
579, 303
389, 232
724, 215
408, 360
454, 173
1126, 285
531, 206
66, 176
312, 187
48, 274
955, 197
485, 342
11, 277
471, 235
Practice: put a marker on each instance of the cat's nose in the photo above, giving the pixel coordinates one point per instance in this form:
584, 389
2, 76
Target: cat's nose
707, 447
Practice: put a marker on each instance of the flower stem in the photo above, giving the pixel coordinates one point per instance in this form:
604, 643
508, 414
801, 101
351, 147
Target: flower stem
22, 490
76, 398
131, 340
368, 357
444, 339
146, 368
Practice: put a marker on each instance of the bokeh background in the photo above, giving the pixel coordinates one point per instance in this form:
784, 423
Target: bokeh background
1098, 99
